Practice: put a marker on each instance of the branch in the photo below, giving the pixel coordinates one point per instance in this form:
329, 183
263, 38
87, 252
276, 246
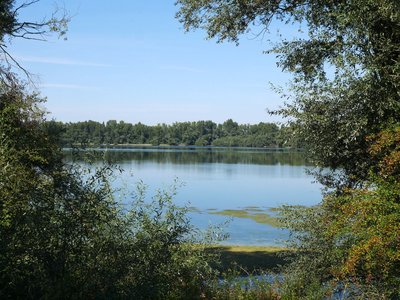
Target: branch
11, 27
7, 56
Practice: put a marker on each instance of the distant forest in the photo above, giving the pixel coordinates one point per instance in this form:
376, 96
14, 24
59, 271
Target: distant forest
199, 133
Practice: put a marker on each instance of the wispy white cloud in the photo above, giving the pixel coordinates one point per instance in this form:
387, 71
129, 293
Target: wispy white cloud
59, 61
67, 86
131, 108
181, 68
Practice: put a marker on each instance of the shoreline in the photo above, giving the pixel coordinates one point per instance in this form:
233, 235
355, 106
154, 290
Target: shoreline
165, 146
252, 259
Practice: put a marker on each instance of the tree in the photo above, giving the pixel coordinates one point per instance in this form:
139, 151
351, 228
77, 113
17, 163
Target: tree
350, 242
344, 102
346, 70
62, 233
12, 27
229, 127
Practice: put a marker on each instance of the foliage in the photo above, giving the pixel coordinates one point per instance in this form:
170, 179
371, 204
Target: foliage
344, 104
370, 219
254, 260
12, 27
250, 287
200, 133
385, 149
350, 242
63, 234
172, 261
345, 67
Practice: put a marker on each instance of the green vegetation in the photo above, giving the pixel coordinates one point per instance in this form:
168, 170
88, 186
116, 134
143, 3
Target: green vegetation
248, 272
64, 235
190, 156
200, 133
344, 104
253, 259
262, 218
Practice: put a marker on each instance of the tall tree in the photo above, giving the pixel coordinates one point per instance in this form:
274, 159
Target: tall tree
345, 106
62, 234
346, 68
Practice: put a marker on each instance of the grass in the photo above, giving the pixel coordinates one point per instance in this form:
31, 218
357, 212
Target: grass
262, 218
252, 259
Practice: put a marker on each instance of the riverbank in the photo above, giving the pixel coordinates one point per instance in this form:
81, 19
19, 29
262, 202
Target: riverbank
91, 146
252, 259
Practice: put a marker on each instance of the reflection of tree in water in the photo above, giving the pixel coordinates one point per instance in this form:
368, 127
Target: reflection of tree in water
204, 156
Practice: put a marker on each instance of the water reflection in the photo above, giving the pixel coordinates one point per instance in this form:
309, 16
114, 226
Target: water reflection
220, 179
202, 156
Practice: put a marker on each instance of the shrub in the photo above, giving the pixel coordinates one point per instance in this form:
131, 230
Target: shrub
64, 235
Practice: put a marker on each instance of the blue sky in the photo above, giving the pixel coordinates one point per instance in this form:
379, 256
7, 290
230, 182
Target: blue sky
131, 60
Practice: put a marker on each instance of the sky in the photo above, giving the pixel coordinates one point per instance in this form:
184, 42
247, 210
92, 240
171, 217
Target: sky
132, 61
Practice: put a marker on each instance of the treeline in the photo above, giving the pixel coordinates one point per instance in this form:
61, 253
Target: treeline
200, 133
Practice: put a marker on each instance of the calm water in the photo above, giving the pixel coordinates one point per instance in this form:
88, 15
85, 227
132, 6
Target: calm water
218, 179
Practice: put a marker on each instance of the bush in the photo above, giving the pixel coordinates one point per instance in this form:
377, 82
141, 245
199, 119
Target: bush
234, 286
64, 235
350, 243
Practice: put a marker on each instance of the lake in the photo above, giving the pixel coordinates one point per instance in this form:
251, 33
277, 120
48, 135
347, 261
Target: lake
216, 179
